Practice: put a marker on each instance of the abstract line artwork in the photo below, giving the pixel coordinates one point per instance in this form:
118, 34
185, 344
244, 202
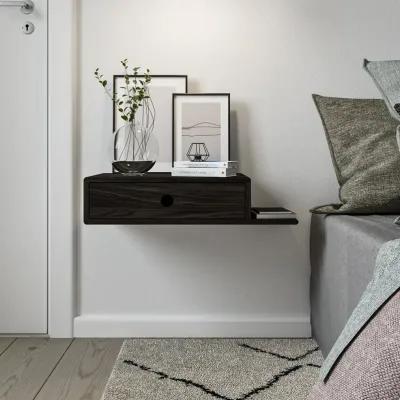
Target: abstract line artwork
201, 131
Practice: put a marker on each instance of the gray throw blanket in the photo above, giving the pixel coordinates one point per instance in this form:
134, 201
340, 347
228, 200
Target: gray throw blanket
385, 284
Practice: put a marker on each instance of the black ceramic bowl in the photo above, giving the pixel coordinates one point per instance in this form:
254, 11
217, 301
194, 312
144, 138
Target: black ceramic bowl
133, 167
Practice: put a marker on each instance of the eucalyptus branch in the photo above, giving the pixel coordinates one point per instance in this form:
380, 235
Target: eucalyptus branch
135, 91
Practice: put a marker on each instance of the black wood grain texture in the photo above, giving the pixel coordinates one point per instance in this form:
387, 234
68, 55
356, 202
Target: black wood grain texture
159, 198
167, 201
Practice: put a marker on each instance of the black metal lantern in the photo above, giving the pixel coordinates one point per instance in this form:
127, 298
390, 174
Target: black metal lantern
198, 152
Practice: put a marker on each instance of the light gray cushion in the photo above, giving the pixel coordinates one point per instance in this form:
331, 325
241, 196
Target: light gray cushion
386, 75
361, 135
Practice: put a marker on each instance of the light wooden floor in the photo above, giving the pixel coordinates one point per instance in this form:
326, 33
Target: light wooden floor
55, 369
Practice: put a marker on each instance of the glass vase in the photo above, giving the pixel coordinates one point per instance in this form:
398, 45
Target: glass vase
135, 146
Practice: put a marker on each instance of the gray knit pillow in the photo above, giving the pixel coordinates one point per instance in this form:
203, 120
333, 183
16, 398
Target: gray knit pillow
386, 75
361, 135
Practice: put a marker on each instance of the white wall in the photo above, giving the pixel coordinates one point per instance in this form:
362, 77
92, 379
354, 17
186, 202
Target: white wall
270, 55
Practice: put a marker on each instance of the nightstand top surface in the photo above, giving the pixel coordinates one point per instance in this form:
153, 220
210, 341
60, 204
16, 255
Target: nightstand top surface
163, 176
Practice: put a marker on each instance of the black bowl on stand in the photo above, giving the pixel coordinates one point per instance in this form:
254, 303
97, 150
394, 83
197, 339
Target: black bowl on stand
133, 167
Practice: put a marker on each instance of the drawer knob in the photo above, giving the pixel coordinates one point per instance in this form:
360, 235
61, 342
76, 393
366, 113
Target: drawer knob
167, 200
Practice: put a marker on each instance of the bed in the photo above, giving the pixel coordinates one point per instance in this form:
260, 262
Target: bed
343, 252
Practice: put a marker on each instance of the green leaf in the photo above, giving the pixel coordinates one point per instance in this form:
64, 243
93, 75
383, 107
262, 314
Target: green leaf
104, 83
124, 117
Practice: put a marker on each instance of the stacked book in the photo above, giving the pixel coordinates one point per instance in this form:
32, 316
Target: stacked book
272, 213
216, 169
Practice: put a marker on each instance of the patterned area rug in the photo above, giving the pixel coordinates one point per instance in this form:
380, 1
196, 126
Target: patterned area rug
209, 369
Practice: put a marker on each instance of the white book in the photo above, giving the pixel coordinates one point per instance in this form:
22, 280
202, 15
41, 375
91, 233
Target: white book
206, 164
275, 212
206, 172
276, 216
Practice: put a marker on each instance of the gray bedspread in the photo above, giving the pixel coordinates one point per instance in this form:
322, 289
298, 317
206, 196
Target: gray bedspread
343, 255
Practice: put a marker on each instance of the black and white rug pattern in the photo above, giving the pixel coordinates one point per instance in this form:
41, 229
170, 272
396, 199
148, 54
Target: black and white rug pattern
211, 369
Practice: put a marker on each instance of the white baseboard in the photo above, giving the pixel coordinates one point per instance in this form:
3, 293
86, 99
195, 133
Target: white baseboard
102, 325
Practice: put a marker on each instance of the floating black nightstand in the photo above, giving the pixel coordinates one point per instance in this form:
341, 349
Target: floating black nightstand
159, 198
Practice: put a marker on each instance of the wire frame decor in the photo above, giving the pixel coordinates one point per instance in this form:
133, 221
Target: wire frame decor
198, 152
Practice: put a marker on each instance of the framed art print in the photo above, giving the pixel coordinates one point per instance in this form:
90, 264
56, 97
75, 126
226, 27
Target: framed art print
201, 128
161, 89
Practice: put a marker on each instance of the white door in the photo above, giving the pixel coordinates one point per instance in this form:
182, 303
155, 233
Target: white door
23, 169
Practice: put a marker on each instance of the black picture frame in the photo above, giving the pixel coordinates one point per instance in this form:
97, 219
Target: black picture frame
200, 95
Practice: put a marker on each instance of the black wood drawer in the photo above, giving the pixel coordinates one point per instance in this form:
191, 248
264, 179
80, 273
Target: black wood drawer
160, 198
